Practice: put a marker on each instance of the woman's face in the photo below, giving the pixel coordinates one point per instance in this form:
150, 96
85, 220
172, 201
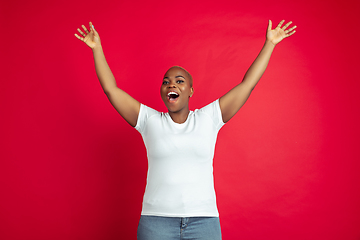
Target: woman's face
176, 89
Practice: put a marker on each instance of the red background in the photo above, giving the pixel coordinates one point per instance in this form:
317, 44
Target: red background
286, 166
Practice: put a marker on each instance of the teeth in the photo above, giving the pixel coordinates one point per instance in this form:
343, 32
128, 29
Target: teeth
175, 93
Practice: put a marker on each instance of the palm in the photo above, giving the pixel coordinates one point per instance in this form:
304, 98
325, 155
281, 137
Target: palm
279, 33
91, 38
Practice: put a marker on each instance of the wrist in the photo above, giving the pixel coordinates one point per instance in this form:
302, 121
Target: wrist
269, 43
97, 47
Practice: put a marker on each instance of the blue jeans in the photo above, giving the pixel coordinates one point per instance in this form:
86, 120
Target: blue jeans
168, 228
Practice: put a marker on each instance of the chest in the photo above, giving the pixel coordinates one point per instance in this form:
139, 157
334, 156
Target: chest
195, 139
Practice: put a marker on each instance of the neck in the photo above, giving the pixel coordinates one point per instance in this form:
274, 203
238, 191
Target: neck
180, 116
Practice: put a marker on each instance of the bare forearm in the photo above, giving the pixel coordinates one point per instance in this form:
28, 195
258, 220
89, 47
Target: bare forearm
126, 106
232, 101
259, 66
103, 72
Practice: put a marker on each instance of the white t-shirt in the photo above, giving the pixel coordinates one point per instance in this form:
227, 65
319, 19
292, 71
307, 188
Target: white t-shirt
180, 162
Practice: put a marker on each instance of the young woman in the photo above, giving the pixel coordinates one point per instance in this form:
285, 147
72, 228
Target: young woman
179, 200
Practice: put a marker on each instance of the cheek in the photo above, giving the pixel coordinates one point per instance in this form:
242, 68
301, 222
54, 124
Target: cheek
163, 94
187, 90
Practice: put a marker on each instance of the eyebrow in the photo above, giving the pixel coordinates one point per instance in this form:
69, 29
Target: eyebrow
176, 77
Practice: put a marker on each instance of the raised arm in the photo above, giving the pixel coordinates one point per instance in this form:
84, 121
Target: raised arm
233, 100
126, 105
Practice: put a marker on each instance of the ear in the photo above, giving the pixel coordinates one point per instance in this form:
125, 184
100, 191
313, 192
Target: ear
191, 91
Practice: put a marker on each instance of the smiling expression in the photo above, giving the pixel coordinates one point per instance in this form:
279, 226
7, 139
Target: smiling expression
176, 89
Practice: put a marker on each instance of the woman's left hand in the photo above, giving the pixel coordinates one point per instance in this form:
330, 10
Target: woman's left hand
279, 33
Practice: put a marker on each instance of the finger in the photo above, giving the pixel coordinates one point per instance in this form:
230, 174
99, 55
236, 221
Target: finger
286, 25
92, 28
280, 23
290, 29
78, 37
85, 29
83, 34
288, 35
269, 25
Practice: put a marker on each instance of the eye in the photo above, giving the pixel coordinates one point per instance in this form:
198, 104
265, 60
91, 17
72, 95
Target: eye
165, 82
179, 81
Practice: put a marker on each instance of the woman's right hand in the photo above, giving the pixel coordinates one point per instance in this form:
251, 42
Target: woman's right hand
92, 38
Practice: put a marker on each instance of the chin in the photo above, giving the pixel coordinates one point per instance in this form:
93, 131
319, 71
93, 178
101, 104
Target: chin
172, 109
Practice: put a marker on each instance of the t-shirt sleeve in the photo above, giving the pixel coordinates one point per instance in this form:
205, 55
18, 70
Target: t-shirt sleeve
144, 114
214, 112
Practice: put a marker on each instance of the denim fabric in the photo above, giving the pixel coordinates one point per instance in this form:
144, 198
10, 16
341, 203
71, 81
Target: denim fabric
179, 228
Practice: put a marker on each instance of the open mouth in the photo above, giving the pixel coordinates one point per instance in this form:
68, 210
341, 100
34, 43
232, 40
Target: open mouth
172, 96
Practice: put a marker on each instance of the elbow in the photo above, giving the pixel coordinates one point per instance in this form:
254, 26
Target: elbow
247, 86
108, 92
111, 92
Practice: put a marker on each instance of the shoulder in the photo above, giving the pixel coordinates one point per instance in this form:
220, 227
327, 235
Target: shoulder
148, 111
213, 112
211, 108
145, 114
